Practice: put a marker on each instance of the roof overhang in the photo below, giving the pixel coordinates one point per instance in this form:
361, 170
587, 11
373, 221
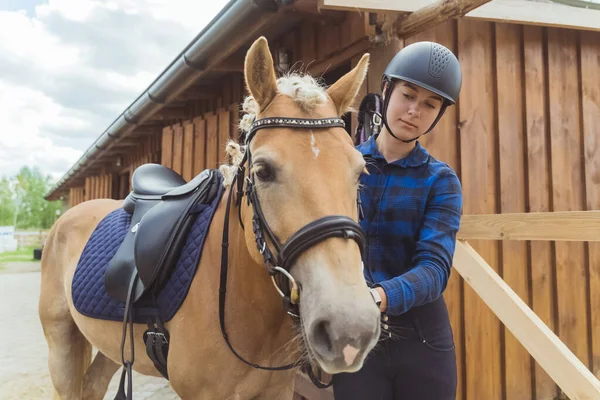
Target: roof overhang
573, 14
239, 22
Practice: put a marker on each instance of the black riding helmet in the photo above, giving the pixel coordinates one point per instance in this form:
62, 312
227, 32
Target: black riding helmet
428, 65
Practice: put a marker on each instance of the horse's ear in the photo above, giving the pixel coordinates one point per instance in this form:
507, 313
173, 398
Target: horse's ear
344, 91
260, 73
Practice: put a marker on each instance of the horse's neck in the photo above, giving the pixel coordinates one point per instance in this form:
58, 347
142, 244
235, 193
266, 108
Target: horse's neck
253, 306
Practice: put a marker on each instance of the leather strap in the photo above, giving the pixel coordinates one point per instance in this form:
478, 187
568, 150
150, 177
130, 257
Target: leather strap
223, 290
317, 231
127, 364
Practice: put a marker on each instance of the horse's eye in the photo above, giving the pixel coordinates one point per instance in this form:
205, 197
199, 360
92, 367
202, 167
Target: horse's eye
265, 172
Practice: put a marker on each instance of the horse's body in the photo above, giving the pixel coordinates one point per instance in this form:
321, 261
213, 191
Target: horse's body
339, 319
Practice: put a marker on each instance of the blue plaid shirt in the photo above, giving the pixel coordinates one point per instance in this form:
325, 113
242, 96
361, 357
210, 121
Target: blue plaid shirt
412, 209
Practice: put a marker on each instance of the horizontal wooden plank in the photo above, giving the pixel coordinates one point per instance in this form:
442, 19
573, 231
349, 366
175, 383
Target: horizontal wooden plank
560, 226
569, 373
512, 11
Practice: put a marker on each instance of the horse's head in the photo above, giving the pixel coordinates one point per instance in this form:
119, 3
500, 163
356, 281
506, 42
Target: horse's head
304, 180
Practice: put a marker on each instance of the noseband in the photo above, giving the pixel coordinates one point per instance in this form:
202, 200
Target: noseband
279, 264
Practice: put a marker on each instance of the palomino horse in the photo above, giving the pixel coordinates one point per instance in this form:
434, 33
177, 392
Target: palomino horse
306, 179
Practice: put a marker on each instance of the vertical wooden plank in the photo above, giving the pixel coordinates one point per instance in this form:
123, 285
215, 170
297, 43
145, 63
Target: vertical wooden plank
226, 91
212, 142
71, 197
94, 188
178, 149
188, 150
328, 40
353, 28
479, 173
590, 82
443, 143
199, 145
89, 188
237, 90
167, 147
104, 186
380, 57
224, 136
538, 181
567, 186
308, 43
509, 76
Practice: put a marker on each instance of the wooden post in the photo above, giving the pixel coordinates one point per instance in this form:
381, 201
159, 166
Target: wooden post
569, 373
433, 14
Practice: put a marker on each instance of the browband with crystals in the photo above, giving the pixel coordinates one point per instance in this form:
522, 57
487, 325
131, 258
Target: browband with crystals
284, 122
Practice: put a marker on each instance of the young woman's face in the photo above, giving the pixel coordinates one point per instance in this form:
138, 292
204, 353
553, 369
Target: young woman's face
412, 110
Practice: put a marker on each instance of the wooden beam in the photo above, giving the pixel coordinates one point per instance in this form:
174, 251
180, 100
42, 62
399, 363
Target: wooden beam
569, 373
560, 226
199, 92
340, 57
434, 14
524, 12
169, 113
234, 63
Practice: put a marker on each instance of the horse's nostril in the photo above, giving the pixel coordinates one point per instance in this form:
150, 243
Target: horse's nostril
322, 338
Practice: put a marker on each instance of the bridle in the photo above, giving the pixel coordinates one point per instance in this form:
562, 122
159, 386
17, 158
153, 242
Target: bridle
278, 264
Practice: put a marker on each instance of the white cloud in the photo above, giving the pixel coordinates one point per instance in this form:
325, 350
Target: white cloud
70, 67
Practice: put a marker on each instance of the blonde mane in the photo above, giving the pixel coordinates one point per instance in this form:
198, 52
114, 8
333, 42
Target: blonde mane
307, 92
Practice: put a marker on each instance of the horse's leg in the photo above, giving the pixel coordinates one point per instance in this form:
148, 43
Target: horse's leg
98, 376
69, 352
69, 355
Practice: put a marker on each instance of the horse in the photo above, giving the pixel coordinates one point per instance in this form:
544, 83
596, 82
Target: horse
302, 182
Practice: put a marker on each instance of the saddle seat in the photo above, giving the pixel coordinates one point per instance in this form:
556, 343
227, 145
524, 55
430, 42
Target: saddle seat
155, 179
163, 207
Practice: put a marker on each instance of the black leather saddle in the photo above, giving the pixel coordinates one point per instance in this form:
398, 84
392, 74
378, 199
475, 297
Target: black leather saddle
163, 208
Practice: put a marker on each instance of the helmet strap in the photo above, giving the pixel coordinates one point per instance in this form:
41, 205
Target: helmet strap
387, 95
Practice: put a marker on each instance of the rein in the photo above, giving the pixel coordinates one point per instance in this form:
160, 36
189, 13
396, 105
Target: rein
278, 265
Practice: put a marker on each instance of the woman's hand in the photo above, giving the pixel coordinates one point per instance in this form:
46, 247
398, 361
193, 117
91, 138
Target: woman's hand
384, 302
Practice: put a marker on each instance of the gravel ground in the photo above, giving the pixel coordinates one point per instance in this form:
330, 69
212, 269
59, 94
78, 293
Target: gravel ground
23, 350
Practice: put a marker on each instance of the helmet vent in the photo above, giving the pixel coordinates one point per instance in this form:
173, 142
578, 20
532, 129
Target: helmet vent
440, 58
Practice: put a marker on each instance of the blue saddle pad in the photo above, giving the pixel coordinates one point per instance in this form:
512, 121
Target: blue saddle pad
89, 294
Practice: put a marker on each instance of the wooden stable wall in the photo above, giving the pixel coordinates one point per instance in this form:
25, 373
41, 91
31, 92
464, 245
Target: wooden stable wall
116, 184
190, 146
524, 137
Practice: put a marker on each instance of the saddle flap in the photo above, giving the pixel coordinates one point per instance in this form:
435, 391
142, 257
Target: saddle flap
163, 230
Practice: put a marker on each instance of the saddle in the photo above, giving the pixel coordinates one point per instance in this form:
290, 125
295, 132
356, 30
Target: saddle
163, 208
162, 205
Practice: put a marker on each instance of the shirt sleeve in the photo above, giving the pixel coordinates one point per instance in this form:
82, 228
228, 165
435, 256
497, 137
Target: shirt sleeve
434, 252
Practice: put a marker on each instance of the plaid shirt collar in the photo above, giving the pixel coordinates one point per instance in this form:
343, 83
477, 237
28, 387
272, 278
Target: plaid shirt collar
418, 156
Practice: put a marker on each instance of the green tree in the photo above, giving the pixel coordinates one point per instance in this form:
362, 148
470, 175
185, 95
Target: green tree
7, 202
32, 210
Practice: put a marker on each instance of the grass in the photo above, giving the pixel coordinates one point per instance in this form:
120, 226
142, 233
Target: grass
20, 255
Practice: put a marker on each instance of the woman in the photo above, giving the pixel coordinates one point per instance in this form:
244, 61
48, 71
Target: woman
412, 205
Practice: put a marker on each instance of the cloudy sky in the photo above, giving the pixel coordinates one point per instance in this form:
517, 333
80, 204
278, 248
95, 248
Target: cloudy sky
68, 68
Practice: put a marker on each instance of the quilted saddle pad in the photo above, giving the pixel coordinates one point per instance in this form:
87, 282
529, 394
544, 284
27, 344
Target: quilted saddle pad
89, 294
